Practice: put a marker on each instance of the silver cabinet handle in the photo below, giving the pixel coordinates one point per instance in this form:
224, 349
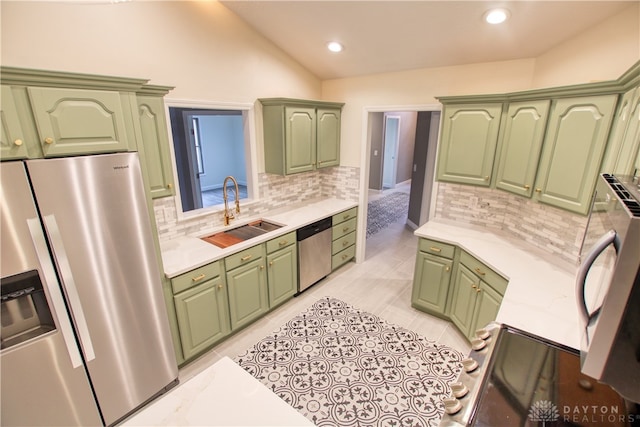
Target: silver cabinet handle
70, 286
51, 283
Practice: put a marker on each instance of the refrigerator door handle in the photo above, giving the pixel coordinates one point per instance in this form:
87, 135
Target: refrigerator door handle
50, 281
70, 286
607, 239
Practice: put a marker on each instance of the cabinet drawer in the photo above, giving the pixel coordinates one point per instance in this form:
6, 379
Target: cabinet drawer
342, 257
344, 216
493, 279
343, 228
281, 242
437, 248
242, 258
195, 277
343, 242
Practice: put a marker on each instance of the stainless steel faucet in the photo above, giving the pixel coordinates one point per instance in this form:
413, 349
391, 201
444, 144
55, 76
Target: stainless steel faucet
228, 216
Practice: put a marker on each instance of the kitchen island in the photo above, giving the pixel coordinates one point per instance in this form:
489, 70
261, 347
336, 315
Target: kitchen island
540, 296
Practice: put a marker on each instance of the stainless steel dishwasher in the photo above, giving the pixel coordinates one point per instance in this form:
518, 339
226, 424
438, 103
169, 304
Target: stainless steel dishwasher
314, 252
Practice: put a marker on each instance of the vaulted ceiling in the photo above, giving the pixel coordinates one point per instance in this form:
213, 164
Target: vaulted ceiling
390, 35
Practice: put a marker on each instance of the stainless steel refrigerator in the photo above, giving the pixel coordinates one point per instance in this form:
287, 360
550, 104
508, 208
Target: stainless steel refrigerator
85, 335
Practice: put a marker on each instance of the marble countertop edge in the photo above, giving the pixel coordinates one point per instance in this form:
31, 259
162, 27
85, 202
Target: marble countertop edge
186, 253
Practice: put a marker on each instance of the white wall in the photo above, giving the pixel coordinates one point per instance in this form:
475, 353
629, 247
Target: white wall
199, 47
604, 52
416, 87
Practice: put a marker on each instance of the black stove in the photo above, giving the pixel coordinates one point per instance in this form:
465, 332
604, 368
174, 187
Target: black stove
512, 378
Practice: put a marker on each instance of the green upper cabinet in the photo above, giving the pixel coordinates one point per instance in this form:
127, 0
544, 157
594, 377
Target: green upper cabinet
13, 141
154, 147
468, 143
328, 137
300, 135
77, 121
525, 123
573, 149
624, 142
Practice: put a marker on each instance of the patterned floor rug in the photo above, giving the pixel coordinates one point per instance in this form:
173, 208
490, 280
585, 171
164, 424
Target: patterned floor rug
386, 210
340, 366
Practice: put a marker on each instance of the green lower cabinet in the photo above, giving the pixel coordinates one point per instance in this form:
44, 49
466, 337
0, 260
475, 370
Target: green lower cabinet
282, 274
487, 307
463, 300
470, 297
431, 283
203, 316
248, 296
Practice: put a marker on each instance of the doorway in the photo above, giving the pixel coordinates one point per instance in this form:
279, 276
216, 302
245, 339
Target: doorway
396, 168
391, 142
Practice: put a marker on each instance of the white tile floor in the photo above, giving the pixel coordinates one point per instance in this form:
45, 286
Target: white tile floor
380, 285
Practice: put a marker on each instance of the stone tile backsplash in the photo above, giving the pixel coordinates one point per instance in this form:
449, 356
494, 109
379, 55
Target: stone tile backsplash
274, 192
551, 229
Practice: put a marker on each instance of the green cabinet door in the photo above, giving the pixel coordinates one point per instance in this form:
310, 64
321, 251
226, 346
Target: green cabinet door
624, 142
431, 283
300, 134
525, 123
248, 296
573, 149
328, 137
203, 316
469, 138
154, 149
76, 121
463, 299
282, 275
13, 144
487, 307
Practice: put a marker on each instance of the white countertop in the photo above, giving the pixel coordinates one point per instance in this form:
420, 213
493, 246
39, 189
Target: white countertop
222, 395
540, 297
186, 253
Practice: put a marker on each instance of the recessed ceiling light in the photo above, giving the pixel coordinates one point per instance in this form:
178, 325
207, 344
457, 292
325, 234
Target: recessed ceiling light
496, 16
334, 47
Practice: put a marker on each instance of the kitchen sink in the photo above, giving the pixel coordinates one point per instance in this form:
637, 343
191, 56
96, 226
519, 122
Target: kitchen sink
227, 238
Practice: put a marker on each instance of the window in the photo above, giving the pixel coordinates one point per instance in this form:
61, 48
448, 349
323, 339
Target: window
209, 145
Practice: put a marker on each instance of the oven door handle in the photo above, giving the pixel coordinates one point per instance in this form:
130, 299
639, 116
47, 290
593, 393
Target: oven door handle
610, 237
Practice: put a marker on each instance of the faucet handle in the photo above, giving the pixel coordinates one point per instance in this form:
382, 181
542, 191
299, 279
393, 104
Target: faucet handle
237, 206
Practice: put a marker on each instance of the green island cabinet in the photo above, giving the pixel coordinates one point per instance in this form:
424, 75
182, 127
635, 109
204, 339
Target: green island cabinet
282, 268
452, 284
300, 135
343, 236
546, 144
247, 286
202, 308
